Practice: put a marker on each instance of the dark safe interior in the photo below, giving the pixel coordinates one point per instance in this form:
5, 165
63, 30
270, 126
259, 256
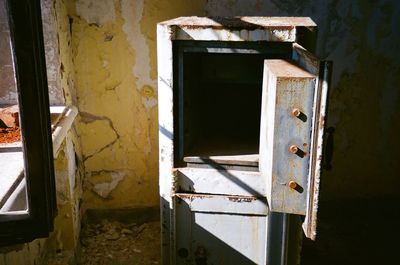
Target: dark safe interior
219, 97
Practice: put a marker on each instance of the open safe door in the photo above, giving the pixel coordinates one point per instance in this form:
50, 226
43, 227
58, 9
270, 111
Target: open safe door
294, 98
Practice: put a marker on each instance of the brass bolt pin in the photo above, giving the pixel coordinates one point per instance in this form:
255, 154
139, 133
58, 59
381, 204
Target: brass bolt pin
292, 184
296, 112
293, 149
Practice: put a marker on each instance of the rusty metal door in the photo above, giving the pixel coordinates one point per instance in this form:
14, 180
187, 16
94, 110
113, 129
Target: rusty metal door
245, 142
292, 126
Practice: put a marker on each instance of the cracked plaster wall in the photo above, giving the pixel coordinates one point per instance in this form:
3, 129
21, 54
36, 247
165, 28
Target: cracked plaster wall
68, 163
114, 55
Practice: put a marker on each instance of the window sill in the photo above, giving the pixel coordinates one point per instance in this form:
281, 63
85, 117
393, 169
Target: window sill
62, 119
12, 187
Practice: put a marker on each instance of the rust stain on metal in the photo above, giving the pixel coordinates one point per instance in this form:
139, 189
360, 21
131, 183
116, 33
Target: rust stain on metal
296, 112
287, 70
174, 184
171, 33
229, 23
242, 198
321, 122
237, 26
233, 198
192, 196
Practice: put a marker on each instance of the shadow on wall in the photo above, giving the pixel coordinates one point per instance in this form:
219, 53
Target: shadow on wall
361, 38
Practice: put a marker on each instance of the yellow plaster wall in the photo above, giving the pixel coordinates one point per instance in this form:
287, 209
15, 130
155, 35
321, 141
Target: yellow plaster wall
67, 73
26, 254
114, 56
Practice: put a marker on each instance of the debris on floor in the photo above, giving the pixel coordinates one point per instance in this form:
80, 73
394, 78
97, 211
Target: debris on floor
9, 124
9, 116
115, 243
9, 135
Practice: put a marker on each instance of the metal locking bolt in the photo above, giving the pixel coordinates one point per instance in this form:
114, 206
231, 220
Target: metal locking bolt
296, 112
293, 149
292, 184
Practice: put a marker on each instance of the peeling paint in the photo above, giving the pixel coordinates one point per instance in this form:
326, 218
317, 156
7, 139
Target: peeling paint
104, 189
67, 74
97, 12
132, 13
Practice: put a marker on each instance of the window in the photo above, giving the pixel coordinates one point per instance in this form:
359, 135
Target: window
35, 219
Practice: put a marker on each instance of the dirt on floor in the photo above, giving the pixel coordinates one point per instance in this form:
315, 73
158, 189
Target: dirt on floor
115, 243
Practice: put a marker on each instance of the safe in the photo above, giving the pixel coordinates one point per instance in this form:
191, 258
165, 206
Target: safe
241, 120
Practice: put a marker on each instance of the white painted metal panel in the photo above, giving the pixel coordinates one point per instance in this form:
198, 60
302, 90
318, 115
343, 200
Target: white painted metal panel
224, 204
166, 119
214, 181
240, 22
219, 238
285, 138
273, 34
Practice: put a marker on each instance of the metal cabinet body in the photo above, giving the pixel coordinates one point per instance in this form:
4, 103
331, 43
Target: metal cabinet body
241, 113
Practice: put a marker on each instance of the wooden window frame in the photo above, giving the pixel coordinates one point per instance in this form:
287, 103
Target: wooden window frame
30, 71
